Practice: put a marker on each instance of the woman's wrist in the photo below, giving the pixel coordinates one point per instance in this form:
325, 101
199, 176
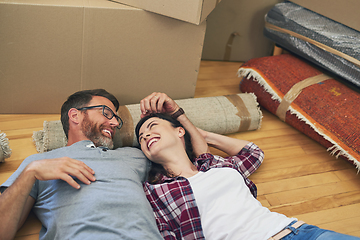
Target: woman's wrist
177, 113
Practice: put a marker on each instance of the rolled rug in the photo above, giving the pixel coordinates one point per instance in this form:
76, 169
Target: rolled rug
5, 151
221, 114
307, 99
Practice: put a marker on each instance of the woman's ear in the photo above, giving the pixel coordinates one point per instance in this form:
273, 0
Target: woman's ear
181, 132
74, 115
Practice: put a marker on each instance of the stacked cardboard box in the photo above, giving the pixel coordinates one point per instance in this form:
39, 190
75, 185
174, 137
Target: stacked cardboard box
235, 31
52, 48
192, 11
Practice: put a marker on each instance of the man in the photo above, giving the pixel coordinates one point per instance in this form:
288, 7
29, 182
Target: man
84, 190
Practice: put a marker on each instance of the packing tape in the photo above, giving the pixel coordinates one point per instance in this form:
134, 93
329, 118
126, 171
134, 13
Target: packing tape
243, 113
295, 91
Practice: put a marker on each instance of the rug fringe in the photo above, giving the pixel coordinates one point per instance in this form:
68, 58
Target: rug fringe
258, 110
336, 150
4, 146
38, 139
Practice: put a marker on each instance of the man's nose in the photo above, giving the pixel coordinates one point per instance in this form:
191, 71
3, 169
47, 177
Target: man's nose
114, 122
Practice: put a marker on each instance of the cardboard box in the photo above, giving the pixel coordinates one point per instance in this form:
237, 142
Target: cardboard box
48, 51
235, 31
345, 12
192, 11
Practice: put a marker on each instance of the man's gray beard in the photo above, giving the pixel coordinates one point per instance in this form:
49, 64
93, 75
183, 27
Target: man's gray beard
93, 132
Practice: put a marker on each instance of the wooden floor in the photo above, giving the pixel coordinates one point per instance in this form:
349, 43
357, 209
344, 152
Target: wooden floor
298, 177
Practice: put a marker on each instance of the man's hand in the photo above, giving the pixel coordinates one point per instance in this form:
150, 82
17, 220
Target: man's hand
62, 168
157, 103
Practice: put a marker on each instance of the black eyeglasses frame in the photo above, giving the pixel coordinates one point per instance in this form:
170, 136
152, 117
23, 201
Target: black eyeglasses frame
120, 121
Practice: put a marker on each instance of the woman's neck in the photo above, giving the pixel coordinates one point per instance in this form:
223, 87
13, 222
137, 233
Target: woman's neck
179, 164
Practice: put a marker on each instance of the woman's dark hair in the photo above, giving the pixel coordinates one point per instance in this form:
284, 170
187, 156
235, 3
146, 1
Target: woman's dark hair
80, 99
157, 170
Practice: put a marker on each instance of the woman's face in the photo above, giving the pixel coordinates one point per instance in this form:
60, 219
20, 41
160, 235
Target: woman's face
157, 135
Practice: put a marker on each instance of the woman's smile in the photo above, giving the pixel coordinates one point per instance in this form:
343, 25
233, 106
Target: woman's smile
152, 141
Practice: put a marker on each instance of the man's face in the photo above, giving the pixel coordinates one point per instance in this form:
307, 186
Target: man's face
96, 127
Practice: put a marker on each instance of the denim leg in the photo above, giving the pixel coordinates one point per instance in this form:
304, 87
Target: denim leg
330, 235
311, 232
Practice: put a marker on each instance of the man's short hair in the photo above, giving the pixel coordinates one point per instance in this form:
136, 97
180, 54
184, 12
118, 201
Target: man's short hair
81, 99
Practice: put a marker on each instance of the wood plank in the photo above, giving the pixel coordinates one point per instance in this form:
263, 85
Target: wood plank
317, 204
296, 171
348, 174
264, 202
333, 215
303, 194
296, 183
349, 226
295, 160
26, 121
4, 176
28, 237
355, 233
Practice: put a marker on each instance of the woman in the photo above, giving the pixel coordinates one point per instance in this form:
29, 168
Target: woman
226, 205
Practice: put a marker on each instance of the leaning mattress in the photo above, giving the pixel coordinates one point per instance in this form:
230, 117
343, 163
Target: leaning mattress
320, 40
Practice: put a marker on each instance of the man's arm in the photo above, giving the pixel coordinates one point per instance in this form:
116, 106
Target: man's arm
15, 205
161, 103
15, 201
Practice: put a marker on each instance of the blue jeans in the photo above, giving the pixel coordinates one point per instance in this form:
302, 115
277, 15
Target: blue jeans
310, 232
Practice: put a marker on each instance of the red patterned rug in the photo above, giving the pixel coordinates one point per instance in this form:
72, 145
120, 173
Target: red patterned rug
317, 105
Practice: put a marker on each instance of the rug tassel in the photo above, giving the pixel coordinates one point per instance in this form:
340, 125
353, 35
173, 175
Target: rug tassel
4, 145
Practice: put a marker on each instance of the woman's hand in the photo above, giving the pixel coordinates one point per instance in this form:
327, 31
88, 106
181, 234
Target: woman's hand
157, 103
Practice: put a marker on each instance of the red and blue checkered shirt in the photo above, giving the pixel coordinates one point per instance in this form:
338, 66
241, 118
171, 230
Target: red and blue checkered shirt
173, 202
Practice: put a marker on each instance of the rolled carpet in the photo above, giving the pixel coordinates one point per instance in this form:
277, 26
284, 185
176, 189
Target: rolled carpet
316, 104
221, 114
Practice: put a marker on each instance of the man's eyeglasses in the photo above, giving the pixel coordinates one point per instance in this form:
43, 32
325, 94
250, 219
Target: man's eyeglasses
107, 112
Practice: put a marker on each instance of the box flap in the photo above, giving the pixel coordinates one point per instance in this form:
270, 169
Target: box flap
192, 11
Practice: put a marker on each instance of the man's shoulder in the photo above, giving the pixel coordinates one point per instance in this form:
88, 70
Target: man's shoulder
130, 151
44, 155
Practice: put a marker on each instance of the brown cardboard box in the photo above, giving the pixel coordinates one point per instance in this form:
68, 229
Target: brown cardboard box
192, 11
345, 12
235, 31
49, 50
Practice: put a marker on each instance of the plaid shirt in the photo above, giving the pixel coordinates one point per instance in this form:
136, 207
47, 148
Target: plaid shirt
173, 202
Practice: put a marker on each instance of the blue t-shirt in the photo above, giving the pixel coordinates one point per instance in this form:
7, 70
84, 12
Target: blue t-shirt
112, 207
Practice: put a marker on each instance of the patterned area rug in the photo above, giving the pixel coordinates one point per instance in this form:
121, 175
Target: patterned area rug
317, 105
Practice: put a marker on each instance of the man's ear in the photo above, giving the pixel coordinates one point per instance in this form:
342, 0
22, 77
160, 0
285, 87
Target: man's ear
74, 115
